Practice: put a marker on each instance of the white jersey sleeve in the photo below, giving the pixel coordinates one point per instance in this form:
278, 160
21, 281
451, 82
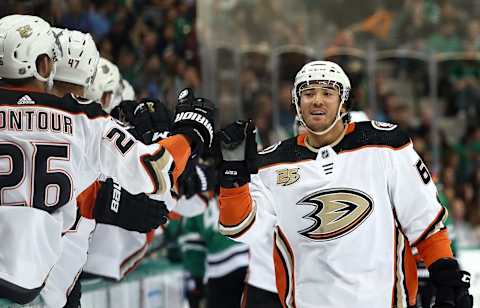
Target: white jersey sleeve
256, 230
255, 203
116, 153
414, 195
190, 207
114, 251
66, 271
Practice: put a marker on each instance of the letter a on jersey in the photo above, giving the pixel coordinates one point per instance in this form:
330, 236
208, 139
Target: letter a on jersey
337, 212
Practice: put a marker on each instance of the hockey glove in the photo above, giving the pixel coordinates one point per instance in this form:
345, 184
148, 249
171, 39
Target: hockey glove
451, 283
238, 149
197, 178
151, 120
116, 206
124, 111
194, 118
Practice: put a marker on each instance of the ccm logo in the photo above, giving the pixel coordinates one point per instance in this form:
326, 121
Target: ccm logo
117, 193
466, 278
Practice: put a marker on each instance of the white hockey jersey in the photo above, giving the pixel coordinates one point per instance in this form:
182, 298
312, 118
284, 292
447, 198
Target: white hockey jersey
342, 216
51, 149
67, 269
114, 251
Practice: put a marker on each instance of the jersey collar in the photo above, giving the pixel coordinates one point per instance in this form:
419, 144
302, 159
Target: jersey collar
302, 139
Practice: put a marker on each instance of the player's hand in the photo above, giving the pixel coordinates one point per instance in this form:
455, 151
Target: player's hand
194, 118
451, 283
151, 120
196, 178
124, 111
116, 206
238, 150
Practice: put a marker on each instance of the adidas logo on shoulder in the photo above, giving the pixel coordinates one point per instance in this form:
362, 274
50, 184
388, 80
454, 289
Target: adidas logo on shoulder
25, 100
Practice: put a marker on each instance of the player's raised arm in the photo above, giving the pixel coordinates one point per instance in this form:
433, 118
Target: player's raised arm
155, 168
243, 197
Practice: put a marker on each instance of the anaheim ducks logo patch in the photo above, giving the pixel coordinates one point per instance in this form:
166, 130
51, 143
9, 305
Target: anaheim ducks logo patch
337, 212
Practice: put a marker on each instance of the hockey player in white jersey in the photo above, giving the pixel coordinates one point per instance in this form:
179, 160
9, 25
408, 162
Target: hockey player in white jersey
344, 199
133, 213
114, 251
53, 148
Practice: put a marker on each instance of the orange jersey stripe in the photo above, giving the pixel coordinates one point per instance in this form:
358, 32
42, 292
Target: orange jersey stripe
174, 216
431, 227
235, 205
180, 150
435, 247
411, 277
284, 264
150, 236
86, 200
280, 276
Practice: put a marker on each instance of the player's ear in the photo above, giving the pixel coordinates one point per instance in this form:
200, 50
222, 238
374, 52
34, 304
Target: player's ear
44, 65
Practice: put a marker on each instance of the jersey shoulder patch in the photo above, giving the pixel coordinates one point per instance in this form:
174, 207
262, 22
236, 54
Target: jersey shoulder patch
287, 151
374, 133
383, 125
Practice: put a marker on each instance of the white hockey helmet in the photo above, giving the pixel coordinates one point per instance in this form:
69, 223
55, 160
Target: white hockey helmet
107, 79
325, 73
79, 57
124, 92
23, 38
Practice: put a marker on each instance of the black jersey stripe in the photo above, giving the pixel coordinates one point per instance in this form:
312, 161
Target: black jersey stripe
11, 98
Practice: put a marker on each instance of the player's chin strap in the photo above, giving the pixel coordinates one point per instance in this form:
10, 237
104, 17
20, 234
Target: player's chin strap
325, 131
49, 79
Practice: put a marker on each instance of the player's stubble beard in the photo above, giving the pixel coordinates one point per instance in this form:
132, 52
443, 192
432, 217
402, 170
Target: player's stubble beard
332, 136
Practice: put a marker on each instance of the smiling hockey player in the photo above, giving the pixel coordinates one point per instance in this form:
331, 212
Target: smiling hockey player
344, 198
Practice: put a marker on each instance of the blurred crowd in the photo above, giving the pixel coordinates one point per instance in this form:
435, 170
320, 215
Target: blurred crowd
156, 45
396, 88
153, 42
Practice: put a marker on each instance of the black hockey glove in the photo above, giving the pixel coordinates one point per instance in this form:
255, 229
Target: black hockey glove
451, 283
194, 118
238, 149
151, 120
116, 206
124, 111
196, 178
